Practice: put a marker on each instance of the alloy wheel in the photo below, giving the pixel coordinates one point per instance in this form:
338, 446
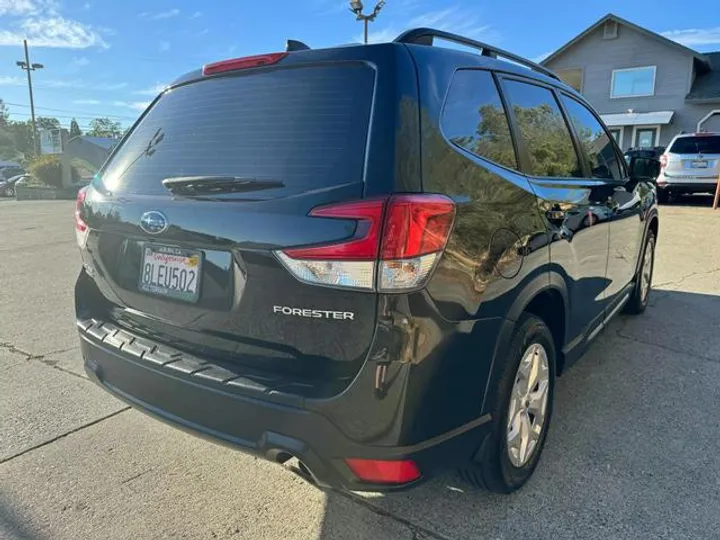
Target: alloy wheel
528, 405
646, 270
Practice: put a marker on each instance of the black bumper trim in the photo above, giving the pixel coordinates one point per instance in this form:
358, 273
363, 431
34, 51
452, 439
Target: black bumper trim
214, 408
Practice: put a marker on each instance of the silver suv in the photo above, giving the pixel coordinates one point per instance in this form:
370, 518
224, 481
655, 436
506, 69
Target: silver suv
691, 164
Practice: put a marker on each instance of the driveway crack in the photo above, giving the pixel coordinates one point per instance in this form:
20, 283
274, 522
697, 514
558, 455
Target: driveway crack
75, 430
687, 276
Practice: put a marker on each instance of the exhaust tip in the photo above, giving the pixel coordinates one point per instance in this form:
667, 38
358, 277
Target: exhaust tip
302, 470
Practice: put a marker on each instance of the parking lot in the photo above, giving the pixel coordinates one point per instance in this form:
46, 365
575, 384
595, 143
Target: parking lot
632, 452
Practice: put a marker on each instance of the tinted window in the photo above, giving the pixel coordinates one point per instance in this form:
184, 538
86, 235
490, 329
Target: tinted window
543, 129
704, 144
305, 127
474, 118
594, 140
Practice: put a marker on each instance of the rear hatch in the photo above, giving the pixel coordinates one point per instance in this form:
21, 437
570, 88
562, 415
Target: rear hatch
187, 218
694, 159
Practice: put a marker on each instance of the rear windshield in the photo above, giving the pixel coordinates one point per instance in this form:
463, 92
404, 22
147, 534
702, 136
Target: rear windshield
304, 127
709, 144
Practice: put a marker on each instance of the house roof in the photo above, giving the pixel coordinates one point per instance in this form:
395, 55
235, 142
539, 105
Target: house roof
612, 17
707, 86
104, 142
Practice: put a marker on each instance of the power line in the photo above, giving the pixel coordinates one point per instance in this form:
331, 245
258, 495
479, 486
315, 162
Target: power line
69, 117
71, 112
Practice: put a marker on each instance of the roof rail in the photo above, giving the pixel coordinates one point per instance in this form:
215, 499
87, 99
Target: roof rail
425, 36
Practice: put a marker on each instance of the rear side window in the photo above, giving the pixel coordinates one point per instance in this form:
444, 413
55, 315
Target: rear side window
703, 144
594, 140
305, 127
544, 131
474, 118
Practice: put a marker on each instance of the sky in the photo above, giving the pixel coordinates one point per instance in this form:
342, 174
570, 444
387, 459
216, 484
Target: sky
110, 58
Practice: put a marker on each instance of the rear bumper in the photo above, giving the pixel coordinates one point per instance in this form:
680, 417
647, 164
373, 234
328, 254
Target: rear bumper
676, 186
274, 429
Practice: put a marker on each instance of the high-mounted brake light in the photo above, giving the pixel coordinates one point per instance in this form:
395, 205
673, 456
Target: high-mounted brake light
384, 472
397, 242
243, 63
81, 228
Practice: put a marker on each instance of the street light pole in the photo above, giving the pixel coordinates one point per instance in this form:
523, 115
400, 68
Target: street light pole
27, 66
356, 6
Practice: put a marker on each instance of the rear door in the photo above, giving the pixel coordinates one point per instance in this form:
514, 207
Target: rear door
197, 267
575, 205
694, 159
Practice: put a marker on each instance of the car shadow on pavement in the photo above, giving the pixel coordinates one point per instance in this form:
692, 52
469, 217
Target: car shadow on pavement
627, 455
12, 526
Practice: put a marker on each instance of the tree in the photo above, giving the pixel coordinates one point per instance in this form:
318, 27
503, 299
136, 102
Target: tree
21, 133
4, 114
74, 129
104, 127
47, 122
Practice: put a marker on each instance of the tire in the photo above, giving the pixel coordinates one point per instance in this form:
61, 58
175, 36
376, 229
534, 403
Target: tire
663, 196
643, 281
496, 467
10, 191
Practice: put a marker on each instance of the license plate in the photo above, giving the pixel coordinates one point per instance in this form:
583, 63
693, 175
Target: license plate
699, 164
171, 272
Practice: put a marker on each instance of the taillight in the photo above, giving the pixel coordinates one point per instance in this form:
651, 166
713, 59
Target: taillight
384, 472
417, 228
243, 63
81, 228
396, 244
663, 161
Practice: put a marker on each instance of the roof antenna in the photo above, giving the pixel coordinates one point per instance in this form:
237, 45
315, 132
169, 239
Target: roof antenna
295, 45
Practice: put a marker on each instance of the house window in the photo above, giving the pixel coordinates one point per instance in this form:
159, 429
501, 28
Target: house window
634, 82
645, 137
617, 134
573, 77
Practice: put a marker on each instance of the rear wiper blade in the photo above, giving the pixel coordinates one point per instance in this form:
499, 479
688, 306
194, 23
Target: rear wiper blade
207, 185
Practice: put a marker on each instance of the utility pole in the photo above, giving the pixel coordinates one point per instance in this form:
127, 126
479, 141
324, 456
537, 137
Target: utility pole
27, 66
356, 6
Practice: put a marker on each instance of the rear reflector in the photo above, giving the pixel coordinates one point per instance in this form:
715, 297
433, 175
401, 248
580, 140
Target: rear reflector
398, 239
81, 228
243, 63
384, 472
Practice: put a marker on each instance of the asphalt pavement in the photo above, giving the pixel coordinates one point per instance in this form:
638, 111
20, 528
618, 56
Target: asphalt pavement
632, 452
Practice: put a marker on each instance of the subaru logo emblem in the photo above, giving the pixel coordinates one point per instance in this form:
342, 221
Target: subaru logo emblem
153, 222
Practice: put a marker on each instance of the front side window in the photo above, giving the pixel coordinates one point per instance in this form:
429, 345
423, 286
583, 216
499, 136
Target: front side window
594, 140
635, 82
544, 131
474, 118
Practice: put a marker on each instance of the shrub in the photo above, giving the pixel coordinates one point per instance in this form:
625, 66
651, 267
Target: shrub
47, 170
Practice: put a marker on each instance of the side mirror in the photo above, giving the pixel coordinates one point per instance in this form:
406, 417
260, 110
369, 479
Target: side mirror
642, 168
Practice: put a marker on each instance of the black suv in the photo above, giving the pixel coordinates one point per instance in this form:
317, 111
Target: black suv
373, 259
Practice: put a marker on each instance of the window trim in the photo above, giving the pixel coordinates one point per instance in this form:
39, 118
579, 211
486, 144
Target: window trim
508, 113
656, 127
524, 156
616, 71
